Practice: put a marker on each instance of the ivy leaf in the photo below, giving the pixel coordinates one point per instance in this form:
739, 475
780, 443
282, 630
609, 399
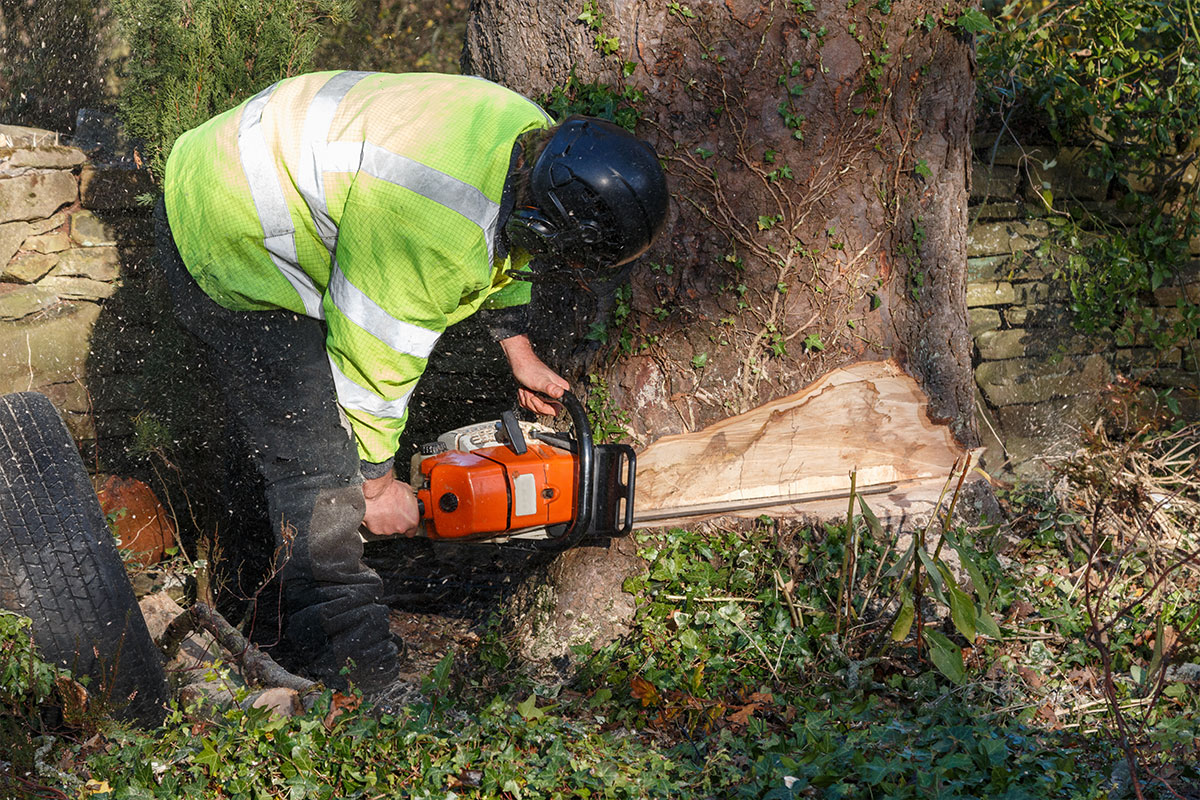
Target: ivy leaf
529, 710
698, 361
973, 21
922, 169
813, 342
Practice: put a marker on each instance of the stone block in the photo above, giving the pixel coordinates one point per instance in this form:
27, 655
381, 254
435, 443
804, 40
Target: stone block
69, 397
998, 345
21, 136
1031, 380
1173, 378
36, 195
989, 268
12, 236
1066, 175
989, 294
89, 231
97, 263
980, 320
53, 242
997, 238
16, 159
1012, 155
996, 182
113, 188
1170, 295
52, 349
1051, 419
1035, 293
20, 301
72, 288
1130, 358
990, 211
1034, 316
29, 267
1036, 343
40, 226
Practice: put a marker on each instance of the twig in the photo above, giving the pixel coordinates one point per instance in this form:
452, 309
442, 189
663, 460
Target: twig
256, 666
678, 598
793, 610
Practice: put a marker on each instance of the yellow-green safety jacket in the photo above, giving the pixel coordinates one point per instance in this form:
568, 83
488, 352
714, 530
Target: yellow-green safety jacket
368, 200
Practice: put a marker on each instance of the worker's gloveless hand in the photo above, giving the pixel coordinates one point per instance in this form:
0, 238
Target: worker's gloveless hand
391, 507
533, 375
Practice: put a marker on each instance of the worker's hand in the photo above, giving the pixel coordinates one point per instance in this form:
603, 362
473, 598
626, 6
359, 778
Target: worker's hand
391, 507
533, 375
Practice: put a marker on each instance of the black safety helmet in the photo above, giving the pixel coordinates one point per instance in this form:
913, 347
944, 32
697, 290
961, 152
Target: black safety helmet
597, 195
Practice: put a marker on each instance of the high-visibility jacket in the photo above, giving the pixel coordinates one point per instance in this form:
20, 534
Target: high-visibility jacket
368, 200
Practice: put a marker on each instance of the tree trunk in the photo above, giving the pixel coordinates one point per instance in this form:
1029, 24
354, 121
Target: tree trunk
818, 161
817, 156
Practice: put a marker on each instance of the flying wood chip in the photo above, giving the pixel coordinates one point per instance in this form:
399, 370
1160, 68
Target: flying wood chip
870, 418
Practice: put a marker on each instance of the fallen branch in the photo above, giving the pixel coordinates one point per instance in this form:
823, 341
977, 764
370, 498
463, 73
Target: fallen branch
255, 665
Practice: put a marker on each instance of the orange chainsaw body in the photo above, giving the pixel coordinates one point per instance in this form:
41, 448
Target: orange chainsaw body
491, 490
493, 481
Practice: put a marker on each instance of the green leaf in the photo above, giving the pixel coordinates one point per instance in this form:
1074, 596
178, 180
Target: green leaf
922, 169
985, 623
904, 620
872, 521
529, 710
962, 612
973, 21
945, 655
208, 756
901, 566
978, 582
936, 584
698, 361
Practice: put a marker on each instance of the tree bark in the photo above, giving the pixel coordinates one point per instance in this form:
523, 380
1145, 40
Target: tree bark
818, 157
818, 161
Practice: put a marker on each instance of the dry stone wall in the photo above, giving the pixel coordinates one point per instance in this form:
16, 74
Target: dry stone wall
67, 226
1039, 381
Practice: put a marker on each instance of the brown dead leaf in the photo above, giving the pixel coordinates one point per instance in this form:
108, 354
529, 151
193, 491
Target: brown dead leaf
1147, 637
1020, 610
1047, 714
644, 690
74, 700
340, 704
1031, 677
1083, 676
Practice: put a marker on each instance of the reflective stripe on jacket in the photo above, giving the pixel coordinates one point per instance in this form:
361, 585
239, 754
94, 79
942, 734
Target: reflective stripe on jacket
368, 200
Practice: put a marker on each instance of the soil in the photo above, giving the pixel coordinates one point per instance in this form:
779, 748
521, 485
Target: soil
442, 596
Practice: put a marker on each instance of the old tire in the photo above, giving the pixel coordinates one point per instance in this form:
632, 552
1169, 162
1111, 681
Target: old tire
60, 567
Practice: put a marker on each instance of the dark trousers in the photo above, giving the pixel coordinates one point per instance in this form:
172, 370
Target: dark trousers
275, 375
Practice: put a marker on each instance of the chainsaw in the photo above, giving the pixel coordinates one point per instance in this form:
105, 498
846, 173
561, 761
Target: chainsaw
511, 479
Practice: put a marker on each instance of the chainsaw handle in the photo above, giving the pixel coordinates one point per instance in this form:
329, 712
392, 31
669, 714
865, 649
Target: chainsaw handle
584, 469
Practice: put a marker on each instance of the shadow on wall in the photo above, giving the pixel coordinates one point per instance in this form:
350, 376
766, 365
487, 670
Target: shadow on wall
54, 58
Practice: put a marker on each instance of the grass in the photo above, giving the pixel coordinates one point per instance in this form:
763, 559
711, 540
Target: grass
747, 675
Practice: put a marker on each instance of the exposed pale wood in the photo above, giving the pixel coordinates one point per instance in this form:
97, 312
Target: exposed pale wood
869, 417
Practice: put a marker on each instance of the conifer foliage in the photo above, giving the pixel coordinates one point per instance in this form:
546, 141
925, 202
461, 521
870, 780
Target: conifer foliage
192, 59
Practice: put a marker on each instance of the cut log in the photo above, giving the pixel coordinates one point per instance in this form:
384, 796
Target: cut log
869, 418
